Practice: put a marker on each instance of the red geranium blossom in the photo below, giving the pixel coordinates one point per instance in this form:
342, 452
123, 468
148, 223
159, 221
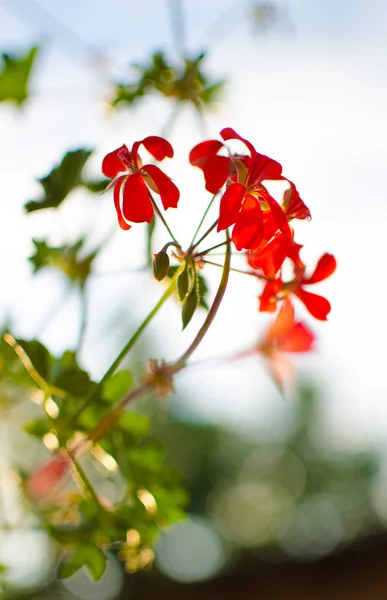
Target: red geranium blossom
134, 178
277, 289
45, 480
285, 334
246, 203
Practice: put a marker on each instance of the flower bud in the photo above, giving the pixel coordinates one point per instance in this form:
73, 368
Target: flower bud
160, 265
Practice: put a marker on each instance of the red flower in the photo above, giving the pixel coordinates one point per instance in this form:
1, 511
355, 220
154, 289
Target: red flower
285, 334
44, 481
277, 289
133, 178
246, 203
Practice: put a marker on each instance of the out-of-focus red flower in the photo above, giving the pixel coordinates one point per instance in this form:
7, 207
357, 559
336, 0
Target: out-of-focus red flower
284, 335
276, 289
45, 480
246, 203
133, 178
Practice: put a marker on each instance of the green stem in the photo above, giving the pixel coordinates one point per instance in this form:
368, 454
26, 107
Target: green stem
109, 420
180, 363
82, 328
168, 292
159, 214
193, 246
202, 220
85, 480
207, 250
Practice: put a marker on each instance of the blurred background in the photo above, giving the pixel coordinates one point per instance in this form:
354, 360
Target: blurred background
289, 496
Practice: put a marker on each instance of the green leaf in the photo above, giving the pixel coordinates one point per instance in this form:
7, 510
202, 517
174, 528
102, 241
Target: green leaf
38, 355
117, 386
203, 291
39, 427
160, 265
68, 375
182, 284
61, 180
189, 306
14, 76
135, 423
84, 555
66, 259
96, 185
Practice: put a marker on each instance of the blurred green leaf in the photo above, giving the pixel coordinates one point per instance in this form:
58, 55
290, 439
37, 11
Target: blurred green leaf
95, 185
61, 180
67, 259
117, 386
69, 376
14, 76
186, 82
87, 555
135, 423
39, 427
38, 355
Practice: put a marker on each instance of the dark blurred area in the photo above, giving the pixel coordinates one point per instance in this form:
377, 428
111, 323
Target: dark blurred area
290, 518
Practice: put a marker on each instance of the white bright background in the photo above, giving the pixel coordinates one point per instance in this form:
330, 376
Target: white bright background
311, 93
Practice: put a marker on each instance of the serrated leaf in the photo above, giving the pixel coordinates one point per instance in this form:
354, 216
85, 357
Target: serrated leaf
190, 304
86, 555
38, 355
117, 386
39, 427
61, 180
14, 76
135, 423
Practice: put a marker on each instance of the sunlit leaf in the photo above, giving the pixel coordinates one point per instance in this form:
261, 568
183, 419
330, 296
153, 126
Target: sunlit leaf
117, 386
14, 76
87, 555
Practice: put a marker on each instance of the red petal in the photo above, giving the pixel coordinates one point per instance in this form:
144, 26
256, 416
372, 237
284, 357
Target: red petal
248, 229
268, 298
215, 172
294, 254
229, 134
324, 269
43, 482
168, 191
294, 207
203, 151
271, 257
158, 147
282, 324
136, 205
277, 213
230, 205
112, 164
299, 339
116, 195
318, 306
262, 167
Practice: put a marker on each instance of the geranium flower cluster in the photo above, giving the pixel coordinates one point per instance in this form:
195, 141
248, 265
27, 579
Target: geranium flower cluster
262, 227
